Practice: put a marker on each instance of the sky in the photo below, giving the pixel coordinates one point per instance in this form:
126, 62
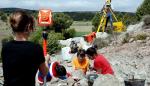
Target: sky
71, 5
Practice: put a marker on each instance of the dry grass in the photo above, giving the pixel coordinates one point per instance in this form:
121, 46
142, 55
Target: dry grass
4, 31
81, 26
141, 36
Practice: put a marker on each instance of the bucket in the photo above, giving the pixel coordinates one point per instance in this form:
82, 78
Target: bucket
91, 78
134, 82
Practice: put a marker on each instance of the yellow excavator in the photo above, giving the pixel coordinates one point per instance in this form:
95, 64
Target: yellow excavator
108, 15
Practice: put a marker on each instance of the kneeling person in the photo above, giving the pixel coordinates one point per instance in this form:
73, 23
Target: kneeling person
81, 61
101, 64
55, 70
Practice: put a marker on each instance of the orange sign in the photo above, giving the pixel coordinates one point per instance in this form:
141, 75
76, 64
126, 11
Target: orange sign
45, 17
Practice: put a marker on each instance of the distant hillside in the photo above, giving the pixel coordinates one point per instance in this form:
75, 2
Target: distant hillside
81, 16
10, 10
77, 16
88, 16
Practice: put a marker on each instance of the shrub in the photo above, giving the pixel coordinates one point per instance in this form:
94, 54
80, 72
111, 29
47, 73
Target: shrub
141, 37
96, 21
61, 21
4, 18
143, 9
109, 30
52, 42
69, 33
94, 29
36, 36
53, 45
146, 20
126, 38
7, 39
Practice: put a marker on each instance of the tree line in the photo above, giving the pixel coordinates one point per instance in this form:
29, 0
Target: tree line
76, 16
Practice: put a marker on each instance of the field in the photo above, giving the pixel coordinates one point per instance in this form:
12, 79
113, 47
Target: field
82, 28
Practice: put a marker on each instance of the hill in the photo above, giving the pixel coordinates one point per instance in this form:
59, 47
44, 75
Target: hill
76, 16
10, 10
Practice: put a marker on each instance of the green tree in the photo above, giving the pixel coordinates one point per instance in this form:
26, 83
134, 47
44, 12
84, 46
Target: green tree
61, 22
36, 36
129, 18
96, 21
52, 45
144, 9
69, 33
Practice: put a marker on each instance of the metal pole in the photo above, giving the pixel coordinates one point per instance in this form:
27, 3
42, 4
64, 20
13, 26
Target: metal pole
45, 35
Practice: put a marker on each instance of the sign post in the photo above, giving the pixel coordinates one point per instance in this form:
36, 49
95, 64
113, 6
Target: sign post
44, 19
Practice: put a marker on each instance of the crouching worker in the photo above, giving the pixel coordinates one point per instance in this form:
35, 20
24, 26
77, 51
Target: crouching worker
55, 70
81, 61
101, 64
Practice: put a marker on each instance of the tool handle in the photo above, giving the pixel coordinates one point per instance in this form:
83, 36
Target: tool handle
45, 47
45, 35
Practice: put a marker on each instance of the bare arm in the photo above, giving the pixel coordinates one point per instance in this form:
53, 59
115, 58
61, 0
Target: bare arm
44, 66
43, 69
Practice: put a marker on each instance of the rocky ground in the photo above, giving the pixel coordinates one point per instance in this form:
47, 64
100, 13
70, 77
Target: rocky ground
129, 55
1, 75
130, 59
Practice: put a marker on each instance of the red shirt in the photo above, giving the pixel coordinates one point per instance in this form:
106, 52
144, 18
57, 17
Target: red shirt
102, 65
